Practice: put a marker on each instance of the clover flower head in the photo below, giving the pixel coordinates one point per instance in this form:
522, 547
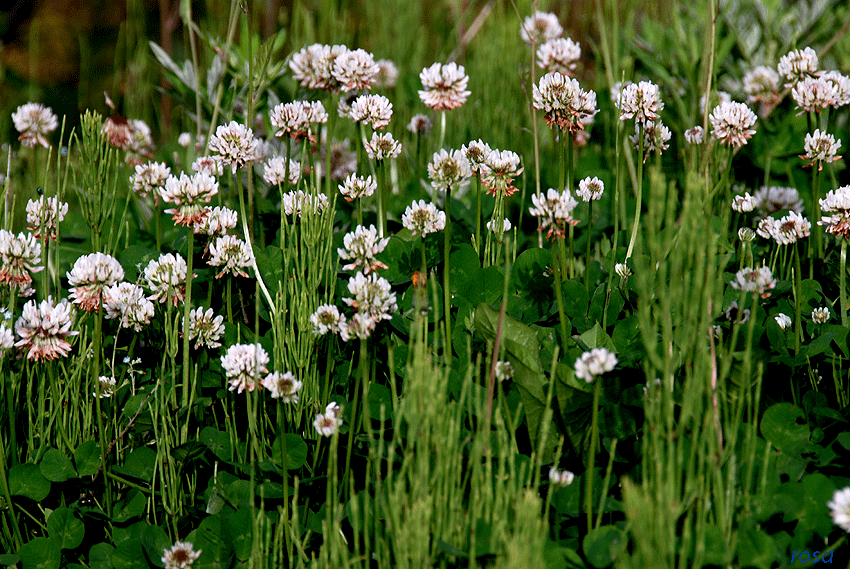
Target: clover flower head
820, 315
640, 101
45, 214
695, 135
387, 76
356, 187
716, 98
44, 329
208, 165
559, 54
590, 189
358, 327
594, 363
540, 27
34, 121
7, 340
313, 66
798, 64
813, 94
759, 280
328, 422
554, 211
107, 386
565, 104
761, 85
560, 477
493, 225
216, 222
499, 170
476, 152
166, 277
283, 386
133, 136
746, 235
149, 178
734, 314
837, 203
355, 70
842, 87
189, 194
504, 371
343, 159
235, 145
205, 328
294, 119
297, 202
744, 203
783, 320
243, 364
732, 123
360, 247
622, 270
374, 110
422, 218
19, 255
275, 170
773, 199
90, 277
821, 147
371, 296
444, 86
448, 169
839, 508
655, 137
181, 555
231, 254
127, 301
382, 146
420, 125
327, 318
185, 139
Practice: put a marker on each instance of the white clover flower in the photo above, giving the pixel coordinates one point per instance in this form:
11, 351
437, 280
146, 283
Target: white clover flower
732, 123
540, 27
358, 327
18, 254
506, 225
560, 477
422, 218
7, 340
205, 328
45, 215
181, 555
758, 280
736, 315
133, 136
297, 202
371, 296
166, 277
374, 110
746, 235
243, 364
773, 199
216, 221
839, 508
44, 329
235, 145
813, 94
566, 104
444, 86
448, 170
231, 254
420, 125
798, 64
842, 87
821, 147
107, 386
327, 318
695, 135
361, 246
312, 66
559, 54
356, 187
836, 202
790, 228
761, 85
594, 363
190, 196
504, 371
783, 320
382, 146
90, 277
184, 140
149, 178
127, 301
387, 76
328, 422
820, 315
355, 70
743, 204
34, 121
640, 101
554, 211
274, 171
590, 189
498, 171
476, 152
208, 165
622, 270
294, 119
283, 386
655, 137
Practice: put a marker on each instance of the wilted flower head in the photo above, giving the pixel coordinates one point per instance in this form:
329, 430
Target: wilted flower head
243, 364
590, 189
205, 328
813, 94
798, 64
839, 508
296, 203
554, 211
90, 277
328, 422
444, 86
235, 145
382, 146
18, 254
761, 85
231, 254
44, 214
356, 187
275, 171
499, 170
732, 123
34, 121
758, 280
371, 296
387, 76
133, 136
622, 270
448, 169
216, 221
539, 28
361, 246
783, 320
127, 301
821, 147
422, 218
44, 328
374, 110
820, 315
312, 66
355, 70
181, 555
420, 125
560, 477
566, 104
190, 196
326, 318
166, 277
735, 314
476, 152
746, 235
744, 203
641, 101
559, 54
283, 386
594, 363
695, 135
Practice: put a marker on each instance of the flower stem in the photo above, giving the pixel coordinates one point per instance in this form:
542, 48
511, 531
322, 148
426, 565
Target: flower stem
478, 218
843, 282
187, 308
442, 129
447, 295
591, 454
639, 199
816, 229
587, 255
558, 277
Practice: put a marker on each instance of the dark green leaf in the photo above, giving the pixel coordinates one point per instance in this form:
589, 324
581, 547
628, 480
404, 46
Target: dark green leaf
56, 467
133, 506
100, 556
241, 527
27, 480
63, 527
87, 458
129, 555
218, 442
602, 545
155, 542
784, 425
213, 539
296, 451
40, 553
575, 298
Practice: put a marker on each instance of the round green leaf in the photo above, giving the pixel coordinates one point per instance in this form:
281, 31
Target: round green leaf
155, 541
213, 538
87, 458
241, 527
218, 442
40, 553
129, 555
99, 556
784, 425
602, 545
67, 530
7, 559
296, 451
57, 467
27, 480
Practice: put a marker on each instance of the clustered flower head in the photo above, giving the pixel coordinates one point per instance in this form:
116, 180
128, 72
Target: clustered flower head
820, 315
283, 386
189, 194
448, 169
797, 65
216, 221
590, 189
231, 254
732, 123
205, 328
19, 255
133, 136
640, 101
761, 85
374, 110
836, 203
821, 147
554, 211
382, 146
90, 277
294, 119
127, 301
343, 159
695, 135
743, 203
297, 202
7, 340
773, 199
813, 94
149, 178
34, 121
422, 218
356, 187
387, 76
235, 145
44, 215
208, 165
371, 296
594, 363
758, 280
783, 320
540, 27
842, 87
243, 364
420, 125
328, 422
181, 555
444, 86
107, 386
839, 508
275, 171
44, 329
313, 66
560, 477
504, 371
166, 277
559, 54
566, 104
476, 152
355, 70
655, 137
327, 318
498, 171
360, 247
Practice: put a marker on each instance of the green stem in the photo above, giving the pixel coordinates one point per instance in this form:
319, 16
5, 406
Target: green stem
442, 129
591, 455
478, 217
798, 296
817, 229
639, 199
447, 295
281, 434
587, 255
843, 282
558, 277
187, 308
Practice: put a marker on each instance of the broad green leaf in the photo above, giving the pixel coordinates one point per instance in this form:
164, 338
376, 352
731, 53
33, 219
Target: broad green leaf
463, 267
528, 273
241, 527
56, 467
129, 555
63, 527
575, 298
100, 556
597, 338
140, 464
602, 545
296, 451
27, 480
155, 542
218, 442
87, 458
755, 548
213, 538
784, 425
40, 553
133, 506
270, 264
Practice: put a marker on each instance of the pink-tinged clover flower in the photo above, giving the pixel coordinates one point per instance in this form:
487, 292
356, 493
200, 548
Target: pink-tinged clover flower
243, 364
444, 86
189, 194
360, 247
127, 302
234, 145
90, 277
44, 329
34, 121
732, 123
44, 215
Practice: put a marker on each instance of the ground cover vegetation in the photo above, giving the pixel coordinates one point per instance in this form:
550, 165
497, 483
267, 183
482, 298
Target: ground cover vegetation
435, 286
